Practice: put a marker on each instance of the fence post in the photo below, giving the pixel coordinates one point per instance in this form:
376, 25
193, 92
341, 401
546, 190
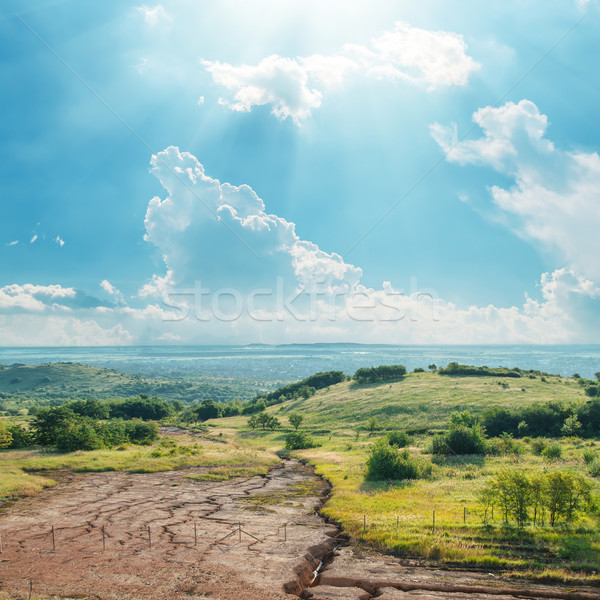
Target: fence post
149, 537
364, 523
195, 534
53, 540
30, 589
285, 532
1, 549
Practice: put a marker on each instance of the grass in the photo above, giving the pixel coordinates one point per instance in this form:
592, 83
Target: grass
27, 472
399, 517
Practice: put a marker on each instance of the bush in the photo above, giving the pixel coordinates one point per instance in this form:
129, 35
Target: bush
299, 440
21, 437
400, 439
79, 436
379, 374
460, 440
552, 451
538, 445
419, 370
387, 462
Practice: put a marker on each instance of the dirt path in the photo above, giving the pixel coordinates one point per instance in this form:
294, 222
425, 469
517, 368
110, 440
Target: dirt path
167, 536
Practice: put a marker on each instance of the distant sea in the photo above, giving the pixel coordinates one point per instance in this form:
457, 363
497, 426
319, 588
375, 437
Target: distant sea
295, 361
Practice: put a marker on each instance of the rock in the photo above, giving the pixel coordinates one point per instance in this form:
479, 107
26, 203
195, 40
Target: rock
329, 592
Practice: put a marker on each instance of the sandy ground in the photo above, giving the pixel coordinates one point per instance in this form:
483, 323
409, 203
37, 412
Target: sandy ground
151, 549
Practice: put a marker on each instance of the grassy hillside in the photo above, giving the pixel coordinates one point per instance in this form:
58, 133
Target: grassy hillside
422, 401
71, 380
398, 516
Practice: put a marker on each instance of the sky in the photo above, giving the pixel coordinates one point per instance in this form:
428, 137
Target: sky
244, 171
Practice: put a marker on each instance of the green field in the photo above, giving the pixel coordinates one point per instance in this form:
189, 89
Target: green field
397, 517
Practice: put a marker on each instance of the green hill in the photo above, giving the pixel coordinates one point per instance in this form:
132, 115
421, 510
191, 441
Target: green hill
422, 401
54, 381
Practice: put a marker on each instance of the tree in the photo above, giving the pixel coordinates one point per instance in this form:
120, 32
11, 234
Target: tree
432, 367
49, 423
266, 421
597, 375
571, 427
372, 424
79, 436
5, 436
295, 420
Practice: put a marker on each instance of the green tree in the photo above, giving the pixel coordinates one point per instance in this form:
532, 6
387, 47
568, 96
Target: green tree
571, 427
79, 435
372, 425
6, 437
49, 423
295, 420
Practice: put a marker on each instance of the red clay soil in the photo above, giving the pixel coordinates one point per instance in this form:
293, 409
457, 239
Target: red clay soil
150, 550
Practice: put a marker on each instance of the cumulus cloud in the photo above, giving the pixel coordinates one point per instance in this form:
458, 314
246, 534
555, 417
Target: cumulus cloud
33, 297
293, 87
13, 243
33, 239
555, 193
218, 233
58, 240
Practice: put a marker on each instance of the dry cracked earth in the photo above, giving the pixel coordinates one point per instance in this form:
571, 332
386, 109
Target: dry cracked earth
167, 536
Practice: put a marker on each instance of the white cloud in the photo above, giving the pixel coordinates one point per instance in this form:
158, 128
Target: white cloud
201, 100
154, 15
293, 87
555, 197
33, 330
32, 297
13, 243
33, 239
59, 241
110, 289
219, 233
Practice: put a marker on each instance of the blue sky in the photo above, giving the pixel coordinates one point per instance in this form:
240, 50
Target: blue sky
351, 123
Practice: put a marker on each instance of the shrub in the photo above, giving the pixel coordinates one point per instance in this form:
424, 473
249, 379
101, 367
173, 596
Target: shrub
594, 468
21, 437
552, 451
419, 370
79, 436
460, 440
379, 374
538, 445
299, 440
387, 462
5, 436
400, 439
589, 456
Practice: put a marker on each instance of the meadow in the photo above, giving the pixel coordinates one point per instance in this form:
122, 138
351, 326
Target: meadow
347, 419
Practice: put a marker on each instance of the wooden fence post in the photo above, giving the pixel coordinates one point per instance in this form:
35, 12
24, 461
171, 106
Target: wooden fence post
149, 537
53, 540
364, 523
